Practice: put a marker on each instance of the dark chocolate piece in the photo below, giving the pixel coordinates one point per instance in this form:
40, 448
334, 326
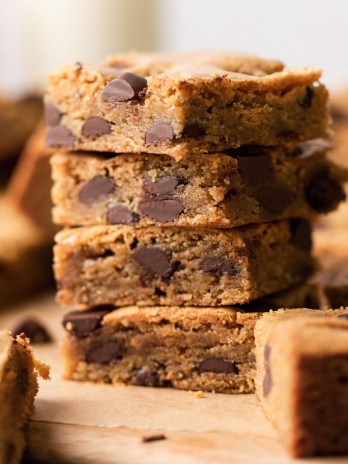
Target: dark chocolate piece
161, 210
159, 133
32, 329
59, 136
155, 260
95, 127
147, 378
82, 323
218, 366
52, 115
105, 353
218, 266
161, 186
95, 188
124, 88
120, 214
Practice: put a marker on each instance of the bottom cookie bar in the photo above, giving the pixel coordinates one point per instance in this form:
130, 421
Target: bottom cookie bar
302, 378
18, 388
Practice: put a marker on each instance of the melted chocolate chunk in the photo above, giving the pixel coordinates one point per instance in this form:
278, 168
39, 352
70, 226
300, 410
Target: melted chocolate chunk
324, 193
161, 186
159, 133
119, 214
161, 210
105, 353
219, 266
95, 188
255, 168
59, 136
52, 115
155, 261
274, 198
34, 330
124, 88
301, 232
193, 130
306, 101
82, 323
267, 380
218, 366
147, 378
95, 127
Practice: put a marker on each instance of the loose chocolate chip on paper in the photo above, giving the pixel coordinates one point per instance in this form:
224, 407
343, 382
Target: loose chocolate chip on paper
52, 115
161, 210
301, 232
82, 323
147, 378
161, 186
60, 136
105, 352
159, 133
218, 366
306, 101
219, 266
324, 193
193, 130
34, 330
95, 188
155, 260
120, 214
255, 168
124, 88
274, 198
95, 127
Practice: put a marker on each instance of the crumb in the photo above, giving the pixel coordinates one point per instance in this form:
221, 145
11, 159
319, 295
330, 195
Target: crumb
151, 438
197, 394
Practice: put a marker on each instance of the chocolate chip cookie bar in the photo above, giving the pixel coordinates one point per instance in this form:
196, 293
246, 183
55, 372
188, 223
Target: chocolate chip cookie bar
302, 372
19, 372
251, 185
182, 105
123, 265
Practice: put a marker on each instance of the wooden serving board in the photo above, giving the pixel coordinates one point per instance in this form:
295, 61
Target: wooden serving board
89, 423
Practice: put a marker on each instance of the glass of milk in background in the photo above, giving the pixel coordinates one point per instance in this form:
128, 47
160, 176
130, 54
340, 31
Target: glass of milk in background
37, 37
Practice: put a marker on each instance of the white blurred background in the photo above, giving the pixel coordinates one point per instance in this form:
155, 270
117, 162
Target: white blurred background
39, 36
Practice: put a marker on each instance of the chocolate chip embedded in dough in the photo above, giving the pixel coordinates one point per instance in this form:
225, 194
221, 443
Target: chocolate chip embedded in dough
159, 133
155, 260
193, 130
301, 233
324, 193
95, 188
59, 136
161, 210
274, 198
105, 352
307, 99
52, 115
161, 186
120, 214
32, 329
124, 88
95, 127
255, 168
219, 266
82, 323
146, 378
218, 366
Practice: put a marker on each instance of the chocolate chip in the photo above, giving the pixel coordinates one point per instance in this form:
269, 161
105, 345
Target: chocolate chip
52, 115
150, 438
301, 233
343, 316
155, 260
274, 198
124, 88
218, 366
105, 353
147, 378
161, 210
306, 101
34, 330
324, 193
193, 130
95, 127
267, 380
78, 66
82, 323
158, 133
219, 266
119, 214
95, 188
255, 168
161, 186
59, 136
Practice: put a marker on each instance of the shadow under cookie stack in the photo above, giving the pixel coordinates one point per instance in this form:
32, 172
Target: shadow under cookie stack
173, 246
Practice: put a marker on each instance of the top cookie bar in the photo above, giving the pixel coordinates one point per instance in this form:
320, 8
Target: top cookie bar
181, 104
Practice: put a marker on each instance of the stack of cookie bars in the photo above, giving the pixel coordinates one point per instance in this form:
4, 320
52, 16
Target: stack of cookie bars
204, 211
